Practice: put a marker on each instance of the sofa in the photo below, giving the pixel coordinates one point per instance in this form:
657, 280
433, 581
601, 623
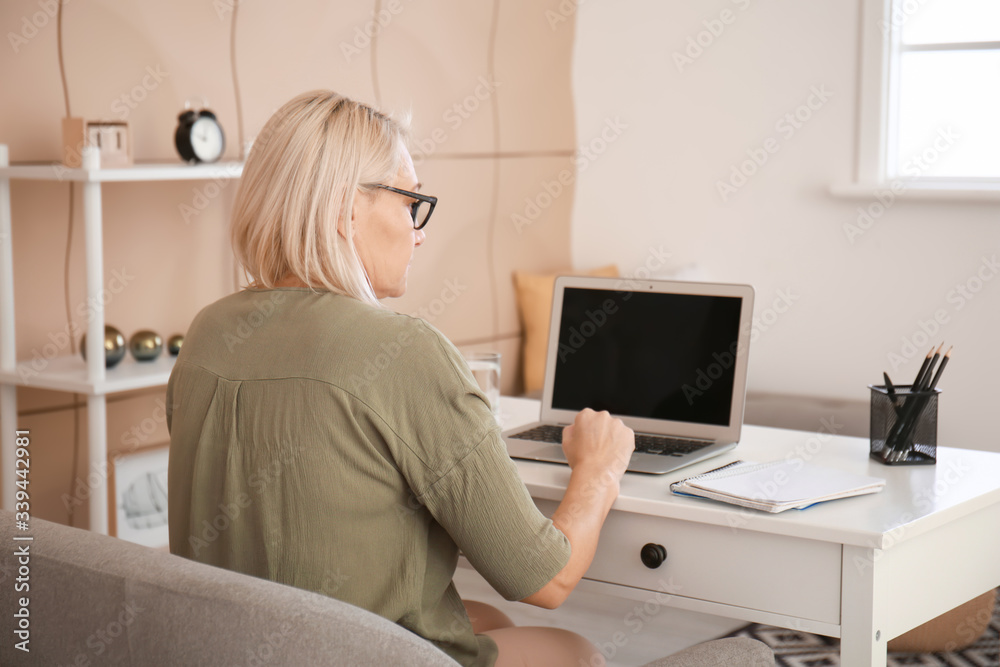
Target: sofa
98, 600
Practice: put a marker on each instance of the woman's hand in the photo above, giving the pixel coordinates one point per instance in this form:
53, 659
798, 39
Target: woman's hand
598, 443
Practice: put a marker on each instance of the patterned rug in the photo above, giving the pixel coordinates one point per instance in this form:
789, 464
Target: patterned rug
801, 649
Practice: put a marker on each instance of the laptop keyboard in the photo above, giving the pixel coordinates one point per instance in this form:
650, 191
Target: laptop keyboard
646, 444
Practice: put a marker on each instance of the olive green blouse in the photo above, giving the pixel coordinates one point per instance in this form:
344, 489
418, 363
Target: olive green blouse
331, 445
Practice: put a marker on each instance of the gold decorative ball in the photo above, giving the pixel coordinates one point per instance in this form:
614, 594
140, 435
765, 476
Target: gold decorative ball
174, 344
114, 346
145, 345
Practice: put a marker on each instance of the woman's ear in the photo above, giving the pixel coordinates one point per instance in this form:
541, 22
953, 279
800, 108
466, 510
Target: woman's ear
359, 211
342, 226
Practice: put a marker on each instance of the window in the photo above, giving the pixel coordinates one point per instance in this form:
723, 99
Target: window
930, 92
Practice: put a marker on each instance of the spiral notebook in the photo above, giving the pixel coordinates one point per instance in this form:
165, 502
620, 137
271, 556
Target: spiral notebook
777, 486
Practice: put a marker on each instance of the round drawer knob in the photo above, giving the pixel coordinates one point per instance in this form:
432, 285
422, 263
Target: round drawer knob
653, 555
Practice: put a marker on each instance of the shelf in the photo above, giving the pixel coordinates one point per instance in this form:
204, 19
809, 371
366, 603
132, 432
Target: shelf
69, 373
54, 171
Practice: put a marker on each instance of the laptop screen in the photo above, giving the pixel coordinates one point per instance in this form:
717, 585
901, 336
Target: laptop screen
649, 355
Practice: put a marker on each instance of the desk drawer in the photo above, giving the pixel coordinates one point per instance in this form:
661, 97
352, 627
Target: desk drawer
773, 573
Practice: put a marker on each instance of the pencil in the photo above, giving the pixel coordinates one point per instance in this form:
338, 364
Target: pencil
926, 379
888, 386
920, 374
944, 362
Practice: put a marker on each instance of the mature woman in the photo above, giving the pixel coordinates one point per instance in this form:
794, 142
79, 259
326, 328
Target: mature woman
295, 459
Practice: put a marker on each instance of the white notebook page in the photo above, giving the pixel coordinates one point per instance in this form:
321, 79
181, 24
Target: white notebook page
784, 481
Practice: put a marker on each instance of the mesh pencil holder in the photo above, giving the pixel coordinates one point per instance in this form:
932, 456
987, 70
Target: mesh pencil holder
904, 426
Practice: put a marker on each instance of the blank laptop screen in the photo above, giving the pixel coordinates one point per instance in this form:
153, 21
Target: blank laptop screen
641, 354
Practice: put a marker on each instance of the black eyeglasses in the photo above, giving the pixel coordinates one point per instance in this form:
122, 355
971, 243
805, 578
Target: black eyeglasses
420, 210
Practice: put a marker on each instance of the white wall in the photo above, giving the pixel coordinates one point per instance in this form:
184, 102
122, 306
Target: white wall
852, 304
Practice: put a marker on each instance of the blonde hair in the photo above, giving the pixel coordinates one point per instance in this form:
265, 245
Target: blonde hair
311, 159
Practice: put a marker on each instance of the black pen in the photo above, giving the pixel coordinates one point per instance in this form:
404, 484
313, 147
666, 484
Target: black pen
891, 391
888, 386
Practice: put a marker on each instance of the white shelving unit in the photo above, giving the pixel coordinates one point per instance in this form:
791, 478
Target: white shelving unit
70, 373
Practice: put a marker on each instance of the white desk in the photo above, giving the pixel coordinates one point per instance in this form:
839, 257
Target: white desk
864, 569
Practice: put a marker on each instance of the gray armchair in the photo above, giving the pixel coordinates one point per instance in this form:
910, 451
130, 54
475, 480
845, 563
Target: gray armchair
97, 600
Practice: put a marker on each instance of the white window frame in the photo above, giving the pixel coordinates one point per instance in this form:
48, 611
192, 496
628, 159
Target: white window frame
876, 107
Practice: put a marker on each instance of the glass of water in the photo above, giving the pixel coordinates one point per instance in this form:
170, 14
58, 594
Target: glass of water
485, 367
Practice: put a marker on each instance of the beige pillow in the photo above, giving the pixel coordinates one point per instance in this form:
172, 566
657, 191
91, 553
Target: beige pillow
534, 301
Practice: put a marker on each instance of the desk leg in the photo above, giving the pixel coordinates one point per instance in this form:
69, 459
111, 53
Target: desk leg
863, 608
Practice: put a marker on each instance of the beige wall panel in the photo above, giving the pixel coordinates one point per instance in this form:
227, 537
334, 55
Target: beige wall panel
433, 59
532, 225
29, 78
533, 66
284, 49
39, 229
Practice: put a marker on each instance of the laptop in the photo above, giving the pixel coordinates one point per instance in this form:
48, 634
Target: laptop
669, 358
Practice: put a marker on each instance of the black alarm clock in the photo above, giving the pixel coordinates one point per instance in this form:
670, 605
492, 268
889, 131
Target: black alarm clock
199, 136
